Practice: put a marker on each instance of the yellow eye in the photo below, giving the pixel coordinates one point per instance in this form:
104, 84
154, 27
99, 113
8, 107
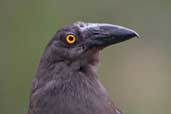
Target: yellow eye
70, 38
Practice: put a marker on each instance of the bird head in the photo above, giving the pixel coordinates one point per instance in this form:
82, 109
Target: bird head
83, 41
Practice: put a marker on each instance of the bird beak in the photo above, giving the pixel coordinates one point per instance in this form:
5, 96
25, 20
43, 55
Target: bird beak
103, 35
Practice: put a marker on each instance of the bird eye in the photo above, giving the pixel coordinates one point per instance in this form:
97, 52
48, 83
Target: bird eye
70, 39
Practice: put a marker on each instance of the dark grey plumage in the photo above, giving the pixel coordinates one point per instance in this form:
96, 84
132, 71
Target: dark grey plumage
66, 81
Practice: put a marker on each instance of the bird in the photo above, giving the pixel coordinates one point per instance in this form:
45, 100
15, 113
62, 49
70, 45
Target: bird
66, 80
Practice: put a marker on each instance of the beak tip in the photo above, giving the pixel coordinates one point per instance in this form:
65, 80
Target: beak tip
127, 32
137, 35
134, 33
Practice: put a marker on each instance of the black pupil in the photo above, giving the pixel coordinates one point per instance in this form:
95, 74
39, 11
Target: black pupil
71, 38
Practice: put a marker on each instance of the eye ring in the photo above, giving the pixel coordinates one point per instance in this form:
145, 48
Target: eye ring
70, 38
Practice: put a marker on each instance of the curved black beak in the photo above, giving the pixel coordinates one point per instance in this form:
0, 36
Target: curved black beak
102, 35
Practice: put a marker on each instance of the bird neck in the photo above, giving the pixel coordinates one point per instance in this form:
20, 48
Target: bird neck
60, 67
84, 67
86, 62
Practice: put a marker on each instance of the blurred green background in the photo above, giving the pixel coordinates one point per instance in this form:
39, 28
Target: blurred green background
137, 73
